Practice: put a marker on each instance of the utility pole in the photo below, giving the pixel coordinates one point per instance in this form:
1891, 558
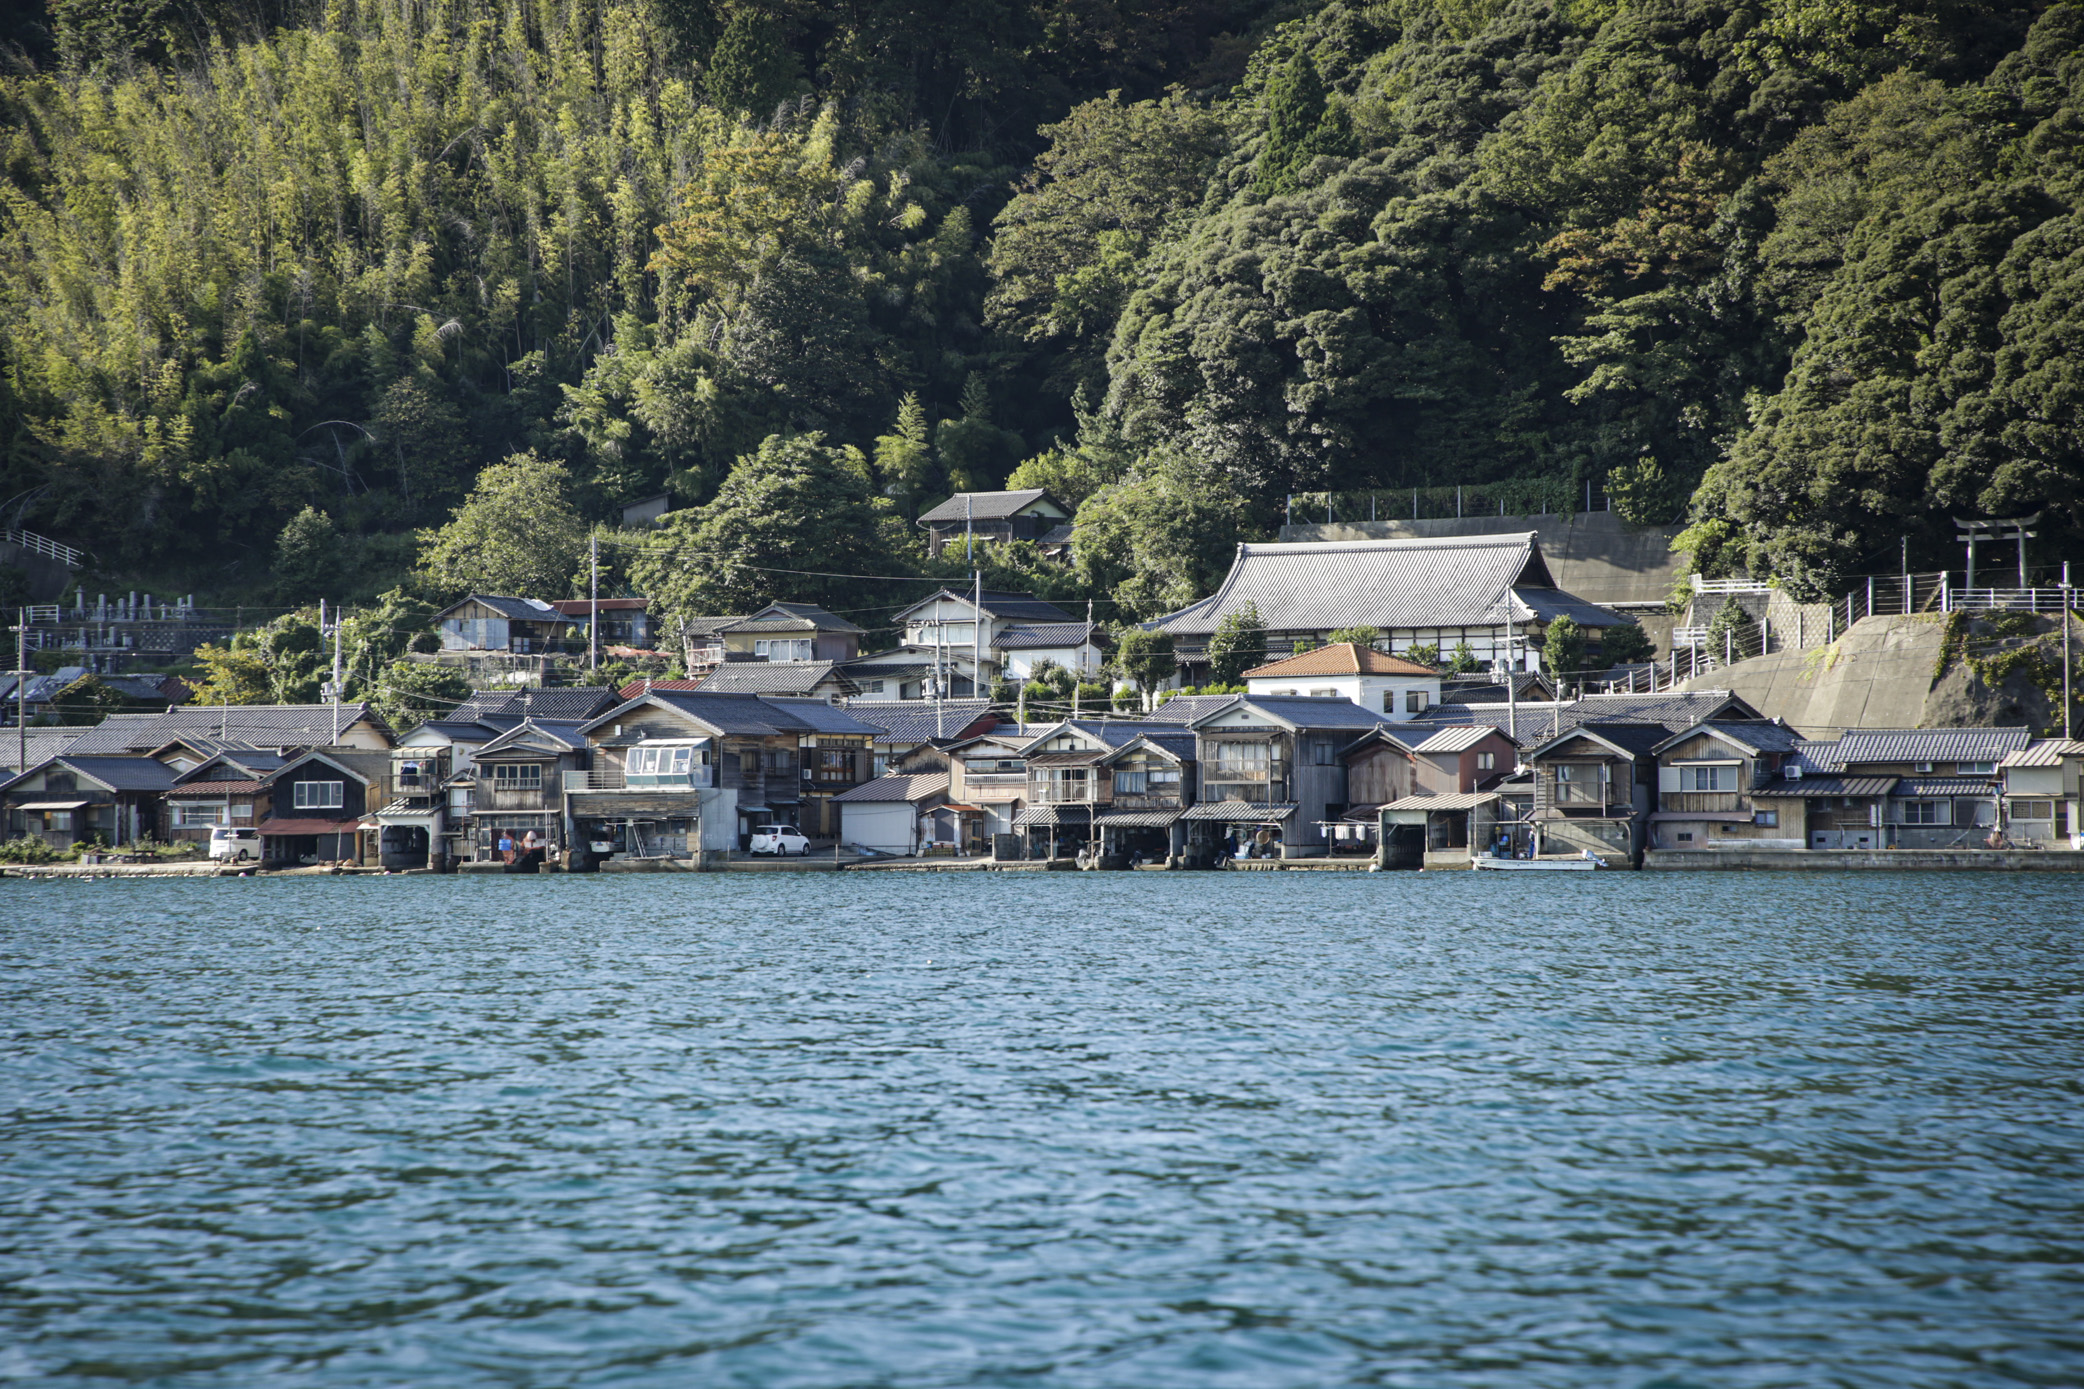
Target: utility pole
593, 602
2066, 733
336, 675
21, 690
977, 685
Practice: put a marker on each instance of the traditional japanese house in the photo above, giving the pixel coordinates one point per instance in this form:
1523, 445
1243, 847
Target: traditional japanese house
228, 790
1708, 777
315, 804
2042, 795
1431, 793
837, 752
791, 632
1594, 789
1070, 781
1024, 514
623, 622
1270, 772
990, 772
517, 787
903, 725
1907, 788
110, 801
502, 622
896, 814
1152, 780
679, 771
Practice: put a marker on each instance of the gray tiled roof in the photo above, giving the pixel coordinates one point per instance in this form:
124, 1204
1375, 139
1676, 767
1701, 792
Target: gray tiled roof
1810, 787
1868, 745
118, 733
125, 773
41, 744
898, 787
1188, 708
772, 677
1307, 711
1036, 636
1115, 733
1747, 733
510, 607
999, 603
1319, 586
558, 702
916, 720
817, 716
985, 506
1535, 718
794, 617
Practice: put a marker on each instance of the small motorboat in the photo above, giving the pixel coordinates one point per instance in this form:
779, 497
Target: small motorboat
1577, 863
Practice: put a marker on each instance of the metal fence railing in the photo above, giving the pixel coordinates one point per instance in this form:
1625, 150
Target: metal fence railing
43, 545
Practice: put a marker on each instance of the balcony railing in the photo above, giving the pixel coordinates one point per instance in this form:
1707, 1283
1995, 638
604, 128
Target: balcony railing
613, 779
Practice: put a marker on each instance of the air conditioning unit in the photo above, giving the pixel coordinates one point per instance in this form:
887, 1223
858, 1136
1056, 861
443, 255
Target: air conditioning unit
1794, 771
1928, 767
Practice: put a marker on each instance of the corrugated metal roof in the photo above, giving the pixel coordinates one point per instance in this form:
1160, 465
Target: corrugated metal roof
1240, 812
986, 506
215, 788
295, 828
1809, 787
1458, 739
1320, 586
1862, 745
1946, 786
2048, 752
1137, 819
1455, 800
1052, 815
896, 787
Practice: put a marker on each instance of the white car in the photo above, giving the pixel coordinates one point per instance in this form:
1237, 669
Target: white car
234, 844
779, 839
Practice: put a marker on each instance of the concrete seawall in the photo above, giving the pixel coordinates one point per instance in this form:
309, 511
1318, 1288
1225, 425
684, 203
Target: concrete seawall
2000, 860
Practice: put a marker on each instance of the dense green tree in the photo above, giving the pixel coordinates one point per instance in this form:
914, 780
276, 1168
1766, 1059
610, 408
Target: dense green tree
1146, 657
517, 534
1563, 650
307, 554
1238, 645
1627, 644
795, 521
751, 69
1158, 539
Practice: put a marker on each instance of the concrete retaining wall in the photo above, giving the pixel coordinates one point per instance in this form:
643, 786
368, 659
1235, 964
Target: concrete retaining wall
2027, 860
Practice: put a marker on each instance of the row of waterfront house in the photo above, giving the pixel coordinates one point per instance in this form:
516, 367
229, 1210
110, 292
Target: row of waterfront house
1342, 750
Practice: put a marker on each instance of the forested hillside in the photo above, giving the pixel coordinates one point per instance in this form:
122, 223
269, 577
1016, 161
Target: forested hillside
1810, 272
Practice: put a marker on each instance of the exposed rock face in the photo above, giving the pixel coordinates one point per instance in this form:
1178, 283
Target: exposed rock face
1920, 671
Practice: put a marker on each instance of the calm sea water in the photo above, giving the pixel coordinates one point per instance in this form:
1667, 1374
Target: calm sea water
1044, 1130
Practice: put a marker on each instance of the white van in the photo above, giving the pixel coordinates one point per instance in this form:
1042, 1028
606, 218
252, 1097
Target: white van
235, 844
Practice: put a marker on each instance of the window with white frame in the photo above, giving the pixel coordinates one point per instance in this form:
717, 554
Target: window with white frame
320, 795
195, 814
1486, 761
2033, 810
1975, 768
1415, 701
1324, 694
654, 765
1715, 777
517, 776
1766, 819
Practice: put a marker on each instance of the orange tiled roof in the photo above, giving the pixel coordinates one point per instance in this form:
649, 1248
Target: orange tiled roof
1346, 658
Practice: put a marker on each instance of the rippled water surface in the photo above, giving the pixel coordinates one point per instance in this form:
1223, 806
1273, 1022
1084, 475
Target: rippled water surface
1044, 1130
